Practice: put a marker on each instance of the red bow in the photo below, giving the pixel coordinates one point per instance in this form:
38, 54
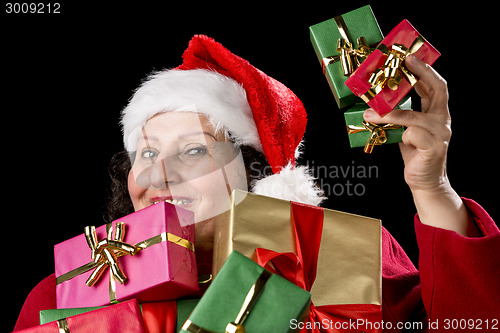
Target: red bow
301, 268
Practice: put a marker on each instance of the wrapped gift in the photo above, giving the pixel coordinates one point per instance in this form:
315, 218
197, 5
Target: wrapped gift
245, 294
339, 48
159, 317
382, 80
335, 255
366, 134
122, 317
148, 255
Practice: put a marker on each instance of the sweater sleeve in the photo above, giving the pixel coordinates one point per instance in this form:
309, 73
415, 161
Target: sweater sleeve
42, 297
460, 275
402, 301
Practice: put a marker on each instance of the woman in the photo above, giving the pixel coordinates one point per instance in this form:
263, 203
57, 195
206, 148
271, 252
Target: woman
216, 123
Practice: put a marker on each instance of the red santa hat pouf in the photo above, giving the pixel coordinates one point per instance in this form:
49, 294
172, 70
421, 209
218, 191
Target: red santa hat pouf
249, 106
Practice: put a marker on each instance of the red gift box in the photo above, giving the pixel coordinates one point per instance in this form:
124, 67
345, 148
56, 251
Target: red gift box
122, 317
382, 80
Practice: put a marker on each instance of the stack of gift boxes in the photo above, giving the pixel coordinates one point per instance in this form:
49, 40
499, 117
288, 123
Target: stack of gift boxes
278, 266
362, 67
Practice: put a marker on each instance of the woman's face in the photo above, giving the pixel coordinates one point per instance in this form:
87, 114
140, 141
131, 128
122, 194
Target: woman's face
181, 160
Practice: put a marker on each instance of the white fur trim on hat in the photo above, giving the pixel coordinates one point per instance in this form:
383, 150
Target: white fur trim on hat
219, 97
292, 184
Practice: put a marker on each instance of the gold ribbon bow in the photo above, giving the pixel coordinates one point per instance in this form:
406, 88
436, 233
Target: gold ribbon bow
105, 253
393, 71
349, 56
377, 136
237, 325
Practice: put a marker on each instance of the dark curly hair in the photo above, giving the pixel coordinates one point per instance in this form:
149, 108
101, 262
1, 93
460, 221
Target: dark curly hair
119, 202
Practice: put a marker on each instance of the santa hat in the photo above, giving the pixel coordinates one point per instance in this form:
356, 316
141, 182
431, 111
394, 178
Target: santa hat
252, 108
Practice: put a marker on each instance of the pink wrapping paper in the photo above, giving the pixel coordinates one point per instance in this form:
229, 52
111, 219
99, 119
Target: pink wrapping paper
163, 271
122, 317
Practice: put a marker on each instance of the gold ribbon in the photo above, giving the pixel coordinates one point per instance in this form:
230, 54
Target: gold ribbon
393, 71
349, 56
377, 136
62, 325
106, 253
237, 325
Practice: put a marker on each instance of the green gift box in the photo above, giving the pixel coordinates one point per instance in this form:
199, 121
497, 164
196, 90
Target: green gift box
46, 316
359, 135
184, 309
244, 293
324, 38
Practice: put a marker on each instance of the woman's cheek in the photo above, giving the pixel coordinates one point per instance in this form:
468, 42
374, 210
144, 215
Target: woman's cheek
136, 192
213, 195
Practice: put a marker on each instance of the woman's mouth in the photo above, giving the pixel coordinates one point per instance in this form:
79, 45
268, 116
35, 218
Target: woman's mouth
177, 201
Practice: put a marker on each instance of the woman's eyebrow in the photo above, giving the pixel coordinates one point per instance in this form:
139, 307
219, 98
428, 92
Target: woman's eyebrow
182, 136
149, 138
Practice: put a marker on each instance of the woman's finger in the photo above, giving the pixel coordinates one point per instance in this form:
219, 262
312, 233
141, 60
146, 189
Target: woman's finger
418, 137
430, 86
397, 117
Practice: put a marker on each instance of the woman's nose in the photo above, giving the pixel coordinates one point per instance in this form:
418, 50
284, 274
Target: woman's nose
159, 175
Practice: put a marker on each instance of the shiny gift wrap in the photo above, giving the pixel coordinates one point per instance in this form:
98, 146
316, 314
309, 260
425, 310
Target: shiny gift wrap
361, 135
245, 294
336, 44
159, 317
382, 80
162, 266
122, 317
349, 259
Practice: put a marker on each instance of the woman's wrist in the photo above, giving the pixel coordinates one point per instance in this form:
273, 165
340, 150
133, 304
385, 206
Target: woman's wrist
443, 208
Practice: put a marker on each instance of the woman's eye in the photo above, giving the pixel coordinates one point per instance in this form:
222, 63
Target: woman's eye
198, 151
149, 154
193, 154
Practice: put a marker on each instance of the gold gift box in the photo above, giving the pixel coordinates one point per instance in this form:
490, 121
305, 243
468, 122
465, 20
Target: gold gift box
349, 266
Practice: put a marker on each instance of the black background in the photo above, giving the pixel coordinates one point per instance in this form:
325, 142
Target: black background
66, 77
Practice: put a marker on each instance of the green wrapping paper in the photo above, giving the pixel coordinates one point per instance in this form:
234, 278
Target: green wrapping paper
354, 116
46, 316
184, 309
360, 23
279, 302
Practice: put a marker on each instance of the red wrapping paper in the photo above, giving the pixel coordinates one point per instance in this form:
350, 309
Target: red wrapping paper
385, 101
301, 269
160, 317
122, 317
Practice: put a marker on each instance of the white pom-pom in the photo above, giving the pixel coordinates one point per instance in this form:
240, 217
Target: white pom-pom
292, 184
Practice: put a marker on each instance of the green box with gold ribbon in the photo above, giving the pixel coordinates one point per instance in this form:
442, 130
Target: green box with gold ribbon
245, 294
340, 48
368, 135
157, 316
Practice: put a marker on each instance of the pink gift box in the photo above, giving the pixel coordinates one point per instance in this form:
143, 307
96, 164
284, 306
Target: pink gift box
386, 100
122, 317
162, 271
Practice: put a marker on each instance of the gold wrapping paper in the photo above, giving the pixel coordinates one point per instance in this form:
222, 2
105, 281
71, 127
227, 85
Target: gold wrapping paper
349, 260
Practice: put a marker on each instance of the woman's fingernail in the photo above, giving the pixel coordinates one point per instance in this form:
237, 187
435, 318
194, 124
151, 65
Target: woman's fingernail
368, 114
410, 59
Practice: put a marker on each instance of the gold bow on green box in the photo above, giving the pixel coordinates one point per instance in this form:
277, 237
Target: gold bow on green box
349, 56
341, 44
377, 136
